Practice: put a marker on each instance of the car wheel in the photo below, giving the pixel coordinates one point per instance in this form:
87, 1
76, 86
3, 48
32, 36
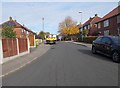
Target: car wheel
93, 50
116, 57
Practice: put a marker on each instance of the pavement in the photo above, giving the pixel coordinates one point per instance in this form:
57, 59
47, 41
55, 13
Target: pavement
66, 64
82, 43
22, 61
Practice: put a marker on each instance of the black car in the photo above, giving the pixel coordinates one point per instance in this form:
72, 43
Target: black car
107, 45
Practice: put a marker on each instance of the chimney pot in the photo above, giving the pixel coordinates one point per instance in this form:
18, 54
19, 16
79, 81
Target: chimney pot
96, 14
10, 18
90, 17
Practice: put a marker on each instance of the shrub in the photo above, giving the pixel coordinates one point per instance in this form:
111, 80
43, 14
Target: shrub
89, 39
8, 32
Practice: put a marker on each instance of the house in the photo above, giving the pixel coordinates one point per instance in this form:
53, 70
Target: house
21, 30
90, 25
110, 23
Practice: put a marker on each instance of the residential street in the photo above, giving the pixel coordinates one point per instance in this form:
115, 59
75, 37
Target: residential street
66, 64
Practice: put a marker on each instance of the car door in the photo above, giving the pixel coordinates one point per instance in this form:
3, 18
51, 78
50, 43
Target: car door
106, 45
98, 44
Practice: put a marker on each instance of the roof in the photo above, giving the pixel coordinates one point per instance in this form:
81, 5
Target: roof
92, 20
88, 22
80, 25
112, 13
14, 23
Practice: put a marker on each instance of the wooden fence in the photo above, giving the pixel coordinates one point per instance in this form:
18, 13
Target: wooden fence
9, 47
12, 47
23, 45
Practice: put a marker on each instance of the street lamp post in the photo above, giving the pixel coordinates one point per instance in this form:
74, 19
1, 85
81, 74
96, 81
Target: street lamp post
81, 24
43, 28
43, 23
81, 16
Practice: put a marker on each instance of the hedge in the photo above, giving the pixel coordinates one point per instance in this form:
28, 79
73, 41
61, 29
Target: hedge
89, 39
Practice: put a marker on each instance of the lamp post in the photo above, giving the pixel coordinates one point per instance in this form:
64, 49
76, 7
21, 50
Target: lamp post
43, 28
43, 23
81, 24
81, 16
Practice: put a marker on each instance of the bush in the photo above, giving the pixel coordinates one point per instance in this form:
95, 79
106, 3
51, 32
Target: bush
8, 32
89, 39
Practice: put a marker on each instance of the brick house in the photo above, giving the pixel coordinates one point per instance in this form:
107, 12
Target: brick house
110, 23
21, 30
90, 25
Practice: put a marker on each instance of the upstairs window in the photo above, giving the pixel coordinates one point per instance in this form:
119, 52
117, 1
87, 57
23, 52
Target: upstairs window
118, 19
88, 26
106, 23
99, 25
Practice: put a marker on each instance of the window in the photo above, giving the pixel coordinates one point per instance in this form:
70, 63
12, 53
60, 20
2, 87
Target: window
85, 27
88, 26
81, 29
98, 39
106, 23
106, 40
106, 33
22, 30
118, 19
99, 25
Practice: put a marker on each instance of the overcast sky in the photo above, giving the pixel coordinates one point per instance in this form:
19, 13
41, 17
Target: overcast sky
31, 13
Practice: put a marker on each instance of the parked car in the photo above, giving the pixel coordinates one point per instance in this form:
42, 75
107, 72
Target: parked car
107, 45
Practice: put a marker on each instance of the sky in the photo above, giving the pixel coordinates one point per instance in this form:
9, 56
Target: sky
31, 13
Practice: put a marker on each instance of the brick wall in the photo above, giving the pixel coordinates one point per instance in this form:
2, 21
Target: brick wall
113, 26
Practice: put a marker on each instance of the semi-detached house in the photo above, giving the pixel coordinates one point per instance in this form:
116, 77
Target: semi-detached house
90, 25
21, 30
110, 23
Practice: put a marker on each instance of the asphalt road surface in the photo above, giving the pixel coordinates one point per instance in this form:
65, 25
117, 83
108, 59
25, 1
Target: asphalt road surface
66, 64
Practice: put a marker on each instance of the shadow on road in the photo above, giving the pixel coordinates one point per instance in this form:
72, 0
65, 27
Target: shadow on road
98, 56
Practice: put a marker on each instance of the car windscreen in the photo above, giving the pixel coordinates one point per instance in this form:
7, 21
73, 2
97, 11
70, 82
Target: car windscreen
98, 39
116, 39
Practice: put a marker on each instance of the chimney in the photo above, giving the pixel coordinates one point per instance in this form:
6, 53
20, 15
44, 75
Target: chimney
10, 18
90, 17
15, 20
23, 25
96, 15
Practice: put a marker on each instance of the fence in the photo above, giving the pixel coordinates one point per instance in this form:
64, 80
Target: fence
12, 48
23, 45
9, 47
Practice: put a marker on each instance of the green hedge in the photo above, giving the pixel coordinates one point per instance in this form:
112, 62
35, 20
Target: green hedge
89, 39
